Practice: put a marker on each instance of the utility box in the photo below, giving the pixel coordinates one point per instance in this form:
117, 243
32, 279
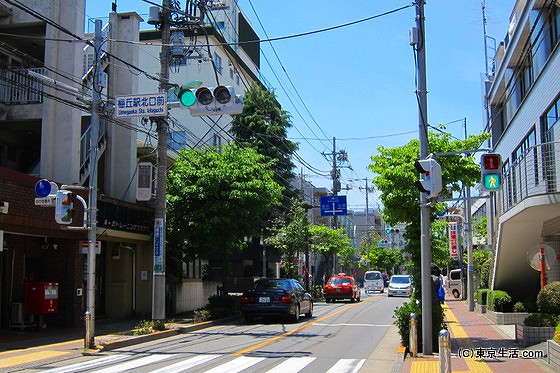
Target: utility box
41, 298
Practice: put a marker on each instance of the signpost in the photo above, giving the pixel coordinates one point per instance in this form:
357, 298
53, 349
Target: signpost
333, 206
147, 105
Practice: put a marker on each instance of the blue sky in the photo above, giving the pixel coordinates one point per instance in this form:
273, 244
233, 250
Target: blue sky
357, 83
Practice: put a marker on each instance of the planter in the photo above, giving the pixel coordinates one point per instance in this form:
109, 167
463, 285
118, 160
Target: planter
506, 318
553, 352
480, 308
531, 335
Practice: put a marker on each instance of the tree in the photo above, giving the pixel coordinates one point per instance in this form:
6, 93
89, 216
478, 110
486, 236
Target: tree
215, 199
263, 125
396, 176
289, 235
330, 243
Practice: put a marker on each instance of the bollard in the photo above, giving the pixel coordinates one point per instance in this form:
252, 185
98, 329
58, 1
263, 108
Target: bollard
87, 340
413, 333
444, 352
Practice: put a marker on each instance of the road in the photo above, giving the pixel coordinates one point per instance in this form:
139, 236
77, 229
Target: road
338, 338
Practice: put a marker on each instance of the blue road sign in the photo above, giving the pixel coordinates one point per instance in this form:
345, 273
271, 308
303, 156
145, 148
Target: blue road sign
43, 188
333, 205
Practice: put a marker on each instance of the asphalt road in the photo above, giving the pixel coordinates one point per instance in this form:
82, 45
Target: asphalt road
338, 338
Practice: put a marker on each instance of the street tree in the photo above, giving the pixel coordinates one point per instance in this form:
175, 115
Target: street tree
396, 175
263, 125
289, 235
215, 199
331, 242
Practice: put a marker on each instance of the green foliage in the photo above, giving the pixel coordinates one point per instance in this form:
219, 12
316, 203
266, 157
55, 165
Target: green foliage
148, 326
402, 321
498, 300
201, 315
548, 299
542, 319
519, 307
328, 242
481, 296
214, 200
263, 125
317, 292
289, 235
395, 180
480, 229
557, 333
382, 258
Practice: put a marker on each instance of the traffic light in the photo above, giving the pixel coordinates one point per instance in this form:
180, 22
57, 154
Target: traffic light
430, 180
64, 205
210, 100
491, 172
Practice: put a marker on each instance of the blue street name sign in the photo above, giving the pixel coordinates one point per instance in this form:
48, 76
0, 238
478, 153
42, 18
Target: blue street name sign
333, 205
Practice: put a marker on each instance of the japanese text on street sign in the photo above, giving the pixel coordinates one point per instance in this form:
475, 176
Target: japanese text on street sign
150, 105
333, 205
453, 245
158, 246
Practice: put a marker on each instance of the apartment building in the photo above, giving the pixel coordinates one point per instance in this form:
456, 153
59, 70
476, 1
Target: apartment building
523, 108
45, 133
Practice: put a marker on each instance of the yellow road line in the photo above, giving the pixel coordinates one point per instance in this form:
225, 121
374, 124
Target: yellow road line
474, 364
301, 327
29, 358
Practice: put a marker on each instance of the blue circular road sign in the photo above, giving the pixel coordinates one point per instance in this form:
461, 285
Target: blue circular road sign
43, 188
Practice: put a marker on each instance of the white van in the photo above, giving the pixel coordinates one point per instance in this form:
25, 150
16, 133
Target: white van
455, 283
373, 281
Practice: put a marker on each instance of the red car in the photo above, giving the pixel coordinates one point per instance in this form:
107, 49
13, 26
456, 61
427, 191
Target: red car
341, 286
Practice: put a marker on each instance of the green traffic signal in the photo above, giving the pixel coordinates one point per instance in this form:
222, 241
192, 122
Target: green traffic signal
187, 97
492, 181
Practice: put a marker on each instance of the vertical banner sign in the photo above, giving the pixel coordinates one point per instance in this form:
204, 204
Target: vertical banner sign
453, 246
158, 246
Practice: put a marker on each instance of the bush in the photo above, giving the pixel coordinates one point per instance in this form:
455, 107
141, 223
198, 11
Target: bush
548, 300
498, 300
519, 307
481, 296
317, 292
402, 316
542, 319
201, 315
557, 334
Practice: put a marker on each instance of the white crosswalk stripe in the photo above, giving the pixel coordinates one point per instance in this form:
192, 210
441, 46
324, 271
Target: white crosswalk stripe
347, 365
203, 363
136, 363
292, 365
236, 365
186, 364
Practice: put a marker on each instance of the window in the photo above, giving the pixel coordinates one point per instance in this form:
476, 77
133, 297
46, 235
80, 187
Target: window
218, 63
177, 140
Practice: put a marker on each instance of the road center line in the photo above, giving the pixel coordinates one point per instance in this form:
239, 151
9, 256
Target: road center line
301, 327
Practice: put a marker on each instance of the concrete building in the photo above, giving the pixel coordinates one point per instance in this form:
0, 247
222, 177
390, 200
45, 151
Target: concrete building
45, 132
523, 108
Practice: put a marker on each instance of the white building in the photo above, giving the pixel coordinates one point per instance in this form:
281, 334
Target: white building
523, 96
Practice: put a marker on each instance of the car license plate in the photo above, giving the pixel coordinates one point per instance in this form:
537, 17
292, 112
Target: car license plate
264, 299
338, 290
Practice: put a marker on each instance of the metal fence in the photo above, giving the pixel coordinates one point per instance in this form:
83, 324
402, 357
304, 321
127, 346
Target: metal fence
535, 173
17, 87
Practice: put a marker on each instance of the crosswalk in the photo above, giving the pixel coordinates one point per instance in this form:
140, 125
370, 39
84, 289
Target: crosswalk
208, 363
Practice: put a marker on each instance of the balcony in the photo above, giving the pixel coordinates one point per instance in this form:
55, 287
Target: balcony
18, 88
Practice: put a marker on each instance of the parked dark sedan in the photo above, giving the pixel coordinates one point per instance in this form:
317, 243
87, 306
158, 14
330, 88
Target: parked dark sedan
276, 297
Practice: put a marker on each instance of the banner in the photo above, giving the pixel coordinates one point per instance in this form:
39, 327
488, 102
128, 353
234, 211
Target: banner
453, 245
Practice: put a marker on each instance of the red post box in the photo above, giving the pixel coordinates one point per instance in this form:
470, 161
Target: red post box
41, 297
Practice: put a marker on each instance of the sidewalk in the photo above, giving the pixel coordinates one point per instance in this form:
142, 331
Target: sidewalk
477, 345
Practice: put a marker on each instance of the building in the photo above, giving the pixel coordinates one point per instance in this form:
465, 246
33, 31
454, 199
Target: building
45, 133
523, 108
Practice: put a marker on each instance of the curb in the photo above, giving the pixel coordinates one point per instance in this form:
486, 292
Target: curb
132, 340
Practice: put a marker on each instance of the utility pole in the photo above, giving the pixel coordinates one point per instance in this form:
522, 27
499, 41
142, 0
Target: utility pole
92, 226
158, 293
367, 189
425, 209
